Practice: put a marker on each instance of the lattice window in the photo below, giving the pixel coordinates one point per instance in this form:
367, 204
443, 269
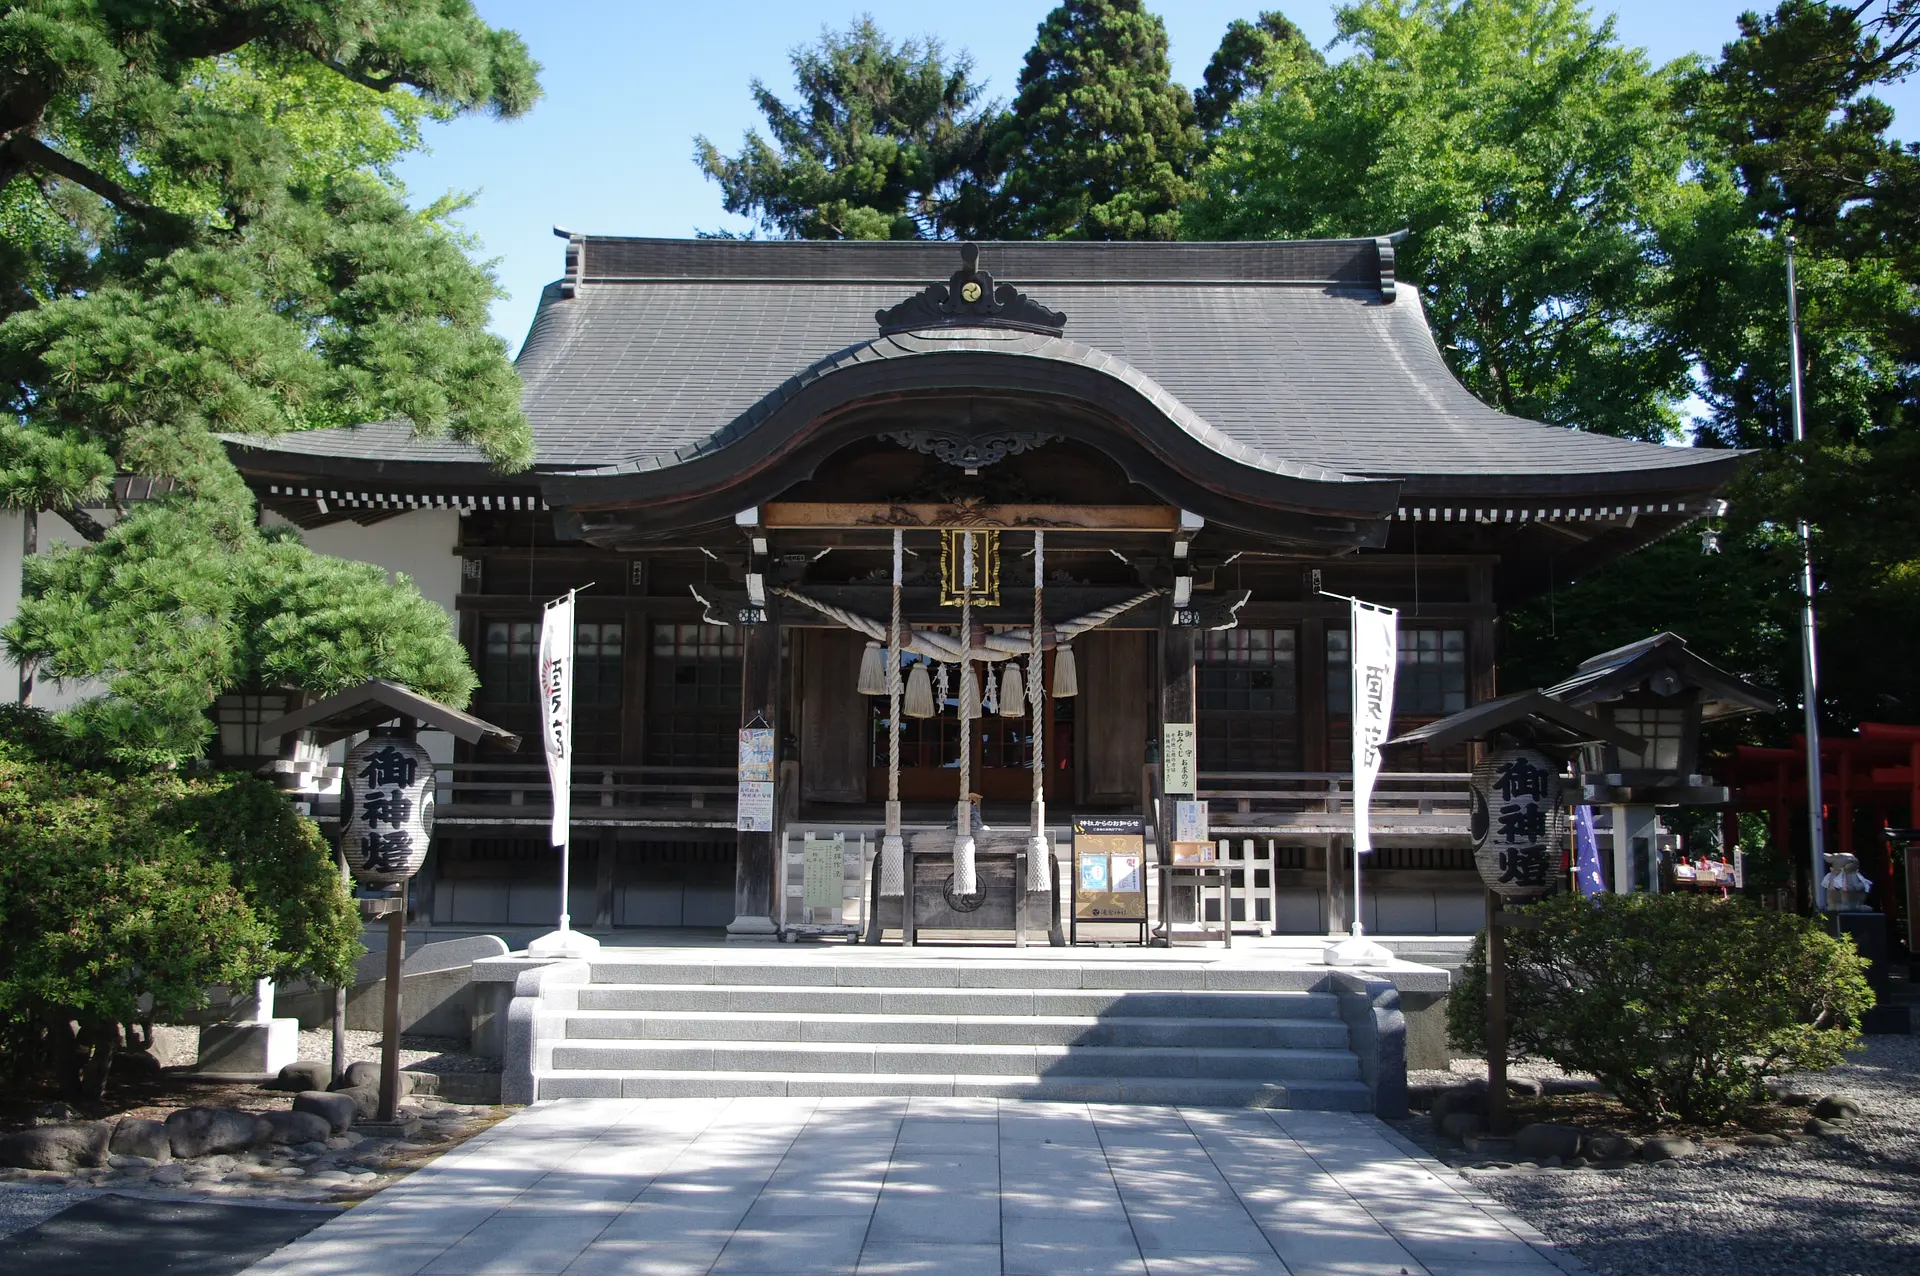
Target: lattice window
238, 719
1249, 701
693, 696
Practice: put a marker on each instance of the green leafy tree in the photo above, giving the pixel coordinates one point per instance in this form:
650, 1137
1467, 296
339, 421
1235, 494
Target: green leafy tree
886, 142
1100, 142
201, 237
1793, 141
1240, 67
1533, 159
126, 894
1682, 1005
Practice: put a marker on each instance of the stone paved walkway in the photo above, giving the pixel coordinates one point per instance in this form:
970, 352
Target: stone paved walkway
946, 1187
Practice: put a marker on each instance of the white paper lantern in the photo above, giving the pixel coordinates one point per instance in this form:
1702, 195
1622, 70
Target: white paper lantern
386, 808
1519, 824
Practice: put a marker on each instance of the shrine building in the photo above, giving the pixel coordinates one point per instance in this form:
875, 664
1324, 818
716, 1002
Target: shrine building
1181, 454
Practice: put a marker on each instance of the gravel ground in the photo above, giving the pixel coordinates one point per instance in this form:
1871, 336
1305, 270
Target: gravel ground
1849, 1205
22, 1207
180, 1046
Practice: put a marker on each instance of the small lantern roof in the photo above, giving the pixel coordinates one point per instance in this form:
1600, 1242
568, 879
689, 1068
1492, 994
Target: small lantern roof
378, 701
1665, 665
1533, 716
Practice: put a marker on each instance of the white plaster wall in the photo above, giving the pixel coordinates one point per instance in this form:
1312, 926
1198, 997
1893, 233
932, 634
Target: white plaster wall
418, 545
53, 530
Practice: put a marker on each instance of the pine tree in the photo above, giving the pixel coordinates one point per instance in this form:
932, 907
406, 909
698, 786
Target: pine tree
201, 236
1100, 143
886, 142
1241, 66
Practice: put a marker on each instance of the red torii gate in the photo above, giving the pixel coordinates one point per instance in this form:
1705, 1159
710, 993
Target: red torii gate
1876, 768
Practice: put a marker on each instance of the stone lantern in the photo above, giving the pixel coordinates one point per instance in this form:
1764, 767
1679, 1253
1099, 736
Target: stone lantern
1658, 690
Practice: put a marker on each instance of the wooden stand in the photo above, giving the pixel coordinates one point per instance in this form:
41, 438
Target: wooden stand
1222, 876
394, 908
1498, 1121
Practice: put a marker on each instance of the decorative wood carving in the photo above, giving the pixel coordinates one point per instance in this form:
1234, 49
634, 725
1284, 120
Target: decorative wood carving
971, 451
970, 299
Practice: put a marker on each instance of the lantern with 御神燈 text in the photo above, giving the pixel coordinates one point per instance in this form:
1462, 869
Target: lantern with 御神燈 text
386, 808
1519, 823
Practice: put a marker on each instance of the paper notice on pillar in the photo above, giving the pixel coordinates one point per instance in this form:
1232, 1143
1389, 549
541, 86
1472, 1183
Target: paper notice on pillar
755, 813
1178, 774
554, 667
755, 810
1374, 647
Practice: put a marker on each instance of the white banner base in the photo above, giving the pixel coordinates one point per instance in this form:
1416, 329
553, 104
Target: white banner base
1356, 950
563, 943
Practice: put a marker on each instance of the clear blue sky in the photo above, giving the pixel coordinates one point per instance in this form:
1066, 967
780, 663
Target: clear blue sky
629, 82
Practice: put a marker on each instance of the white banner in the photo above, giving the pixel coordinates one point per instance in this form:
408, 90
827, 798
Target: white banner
1374, 651
554, 675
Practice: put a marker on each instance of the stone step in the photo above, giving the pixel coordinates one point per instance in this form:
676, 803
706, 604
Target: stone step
1317, 1095
1104, 1003
1035, 1030
993, 1060
1129, 976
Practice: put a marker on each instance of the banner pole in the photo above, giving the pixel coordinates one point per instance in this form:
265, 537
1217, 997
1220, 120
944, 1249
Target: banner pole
554, 669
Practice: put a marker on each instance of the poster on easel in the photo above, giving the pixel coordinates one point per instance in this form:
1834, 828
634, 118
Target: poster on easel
1109, 870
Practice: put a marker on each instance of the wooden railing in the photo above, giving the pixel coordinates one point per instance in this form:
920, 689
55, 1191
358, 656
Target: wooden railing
1414, 803
502, 791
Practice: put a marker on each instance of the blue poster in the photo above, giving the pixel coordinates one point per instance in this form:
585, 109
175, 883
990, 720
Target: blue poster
1093, 872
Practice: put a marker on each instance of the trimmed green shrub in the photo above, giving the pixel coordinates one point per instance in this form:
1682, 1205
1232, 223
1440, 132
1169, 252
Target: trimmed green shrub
125, 894
1681, 1005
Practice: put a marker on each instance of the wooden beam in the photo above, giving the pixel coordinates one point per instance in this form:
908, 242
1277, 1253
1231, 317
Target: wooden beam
1052, 518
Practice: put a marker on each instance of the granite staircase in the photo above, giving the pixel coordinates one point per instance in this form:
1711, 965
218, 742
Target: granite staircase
1107, 1031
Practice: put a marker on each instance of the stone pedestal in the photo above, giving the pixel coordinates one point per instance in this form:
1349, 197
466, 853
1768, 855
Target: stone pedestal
249, 1049
258, 1047
1869, 934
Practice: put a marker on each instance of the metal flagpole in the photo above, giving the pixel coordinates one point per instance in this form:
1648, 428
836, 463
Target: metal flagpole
1809, 656
1371, 660
554, 678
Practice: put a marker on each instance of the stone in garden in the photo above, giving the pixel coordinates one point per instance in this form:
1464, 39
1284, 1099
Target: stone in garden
1825, 1129
1667, 1148
127, 1161
1612, 1147
1458, 1125
1541, 1140
1836, 1107
1791, 1097
298, 1127
137, 1136
336, 1109
303, 1074
1526, 1087
55, 1114
57, 1147
206, 1131
1459, 1099
366, 1100
1577, 1163
1761, 1141
366, 1075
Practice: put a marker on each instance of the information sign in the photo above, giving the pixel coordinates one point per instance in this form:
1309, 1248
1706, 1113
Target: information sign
823, 869
1109, 869
1178, 772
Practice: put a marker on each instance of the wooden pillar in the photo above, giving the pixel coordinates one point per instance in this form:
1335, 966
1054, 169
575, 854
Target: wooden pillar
760, 698
1313, 695
1176, 706
1497, 1119
603, 886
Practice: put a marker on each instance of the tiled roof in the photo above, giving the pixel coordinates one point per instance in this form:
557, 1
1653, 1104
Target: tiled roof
651, 351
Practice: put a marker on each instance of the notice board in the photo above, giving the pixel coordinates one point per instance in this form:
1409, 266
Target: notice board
1109, 869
